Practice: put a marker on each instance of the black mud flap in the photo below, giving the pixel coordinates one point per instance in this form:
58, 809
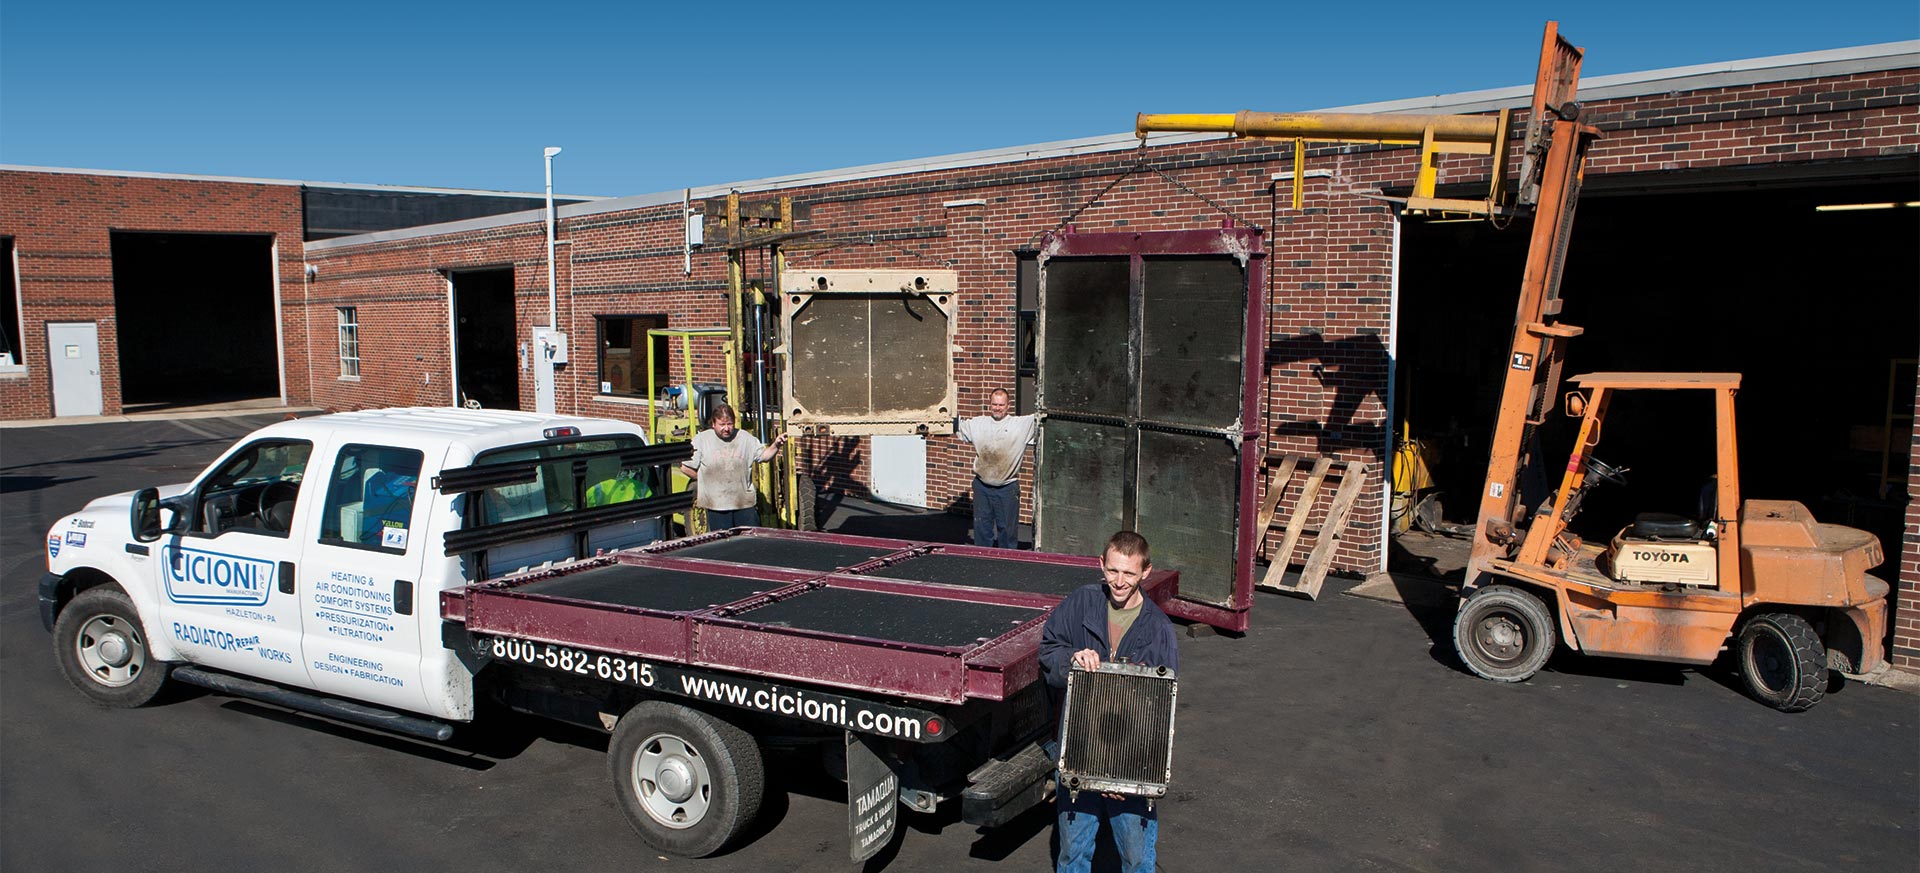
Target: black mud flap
873, 797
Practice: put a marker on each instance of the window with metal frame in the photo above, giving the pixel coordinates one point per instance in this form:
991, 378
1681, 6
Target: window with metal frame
349, 321
623, 353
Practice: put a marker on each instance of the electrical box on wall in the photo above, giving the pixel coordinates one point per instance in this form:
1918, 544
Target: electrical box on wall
557, 348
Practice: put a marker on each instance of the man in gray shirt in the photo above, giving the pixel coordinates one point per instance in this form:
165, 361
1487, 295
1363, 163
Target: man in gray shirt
999, 442
722, 470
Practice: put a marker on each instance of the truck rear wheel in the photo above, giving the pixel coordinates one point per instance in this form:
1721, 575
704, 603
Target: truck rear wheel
688, 782
1503, 633
102, 649
1782, 661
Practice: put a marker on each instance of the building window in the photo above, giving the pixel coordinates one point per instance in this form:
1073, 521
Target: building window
623, 354
349, 342
1026, 328
10, 329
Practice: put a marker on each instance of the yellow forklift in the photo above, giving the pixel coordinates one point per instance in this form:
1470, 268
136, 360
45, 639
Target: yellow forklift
749, 380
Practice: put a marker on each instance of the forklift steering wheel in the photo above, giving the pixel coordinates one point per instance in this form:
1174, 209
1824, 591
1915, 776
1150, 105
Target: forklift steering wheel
1601, 471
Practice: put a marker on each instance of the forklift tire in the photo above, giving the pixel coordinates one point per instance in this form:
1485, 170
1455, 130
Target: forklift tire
689, 783
102, 649
1503, 633
804, 499
1782, 661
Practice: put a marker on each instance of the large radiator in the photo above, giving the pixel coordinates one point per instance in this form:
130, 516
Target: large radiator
1116, 730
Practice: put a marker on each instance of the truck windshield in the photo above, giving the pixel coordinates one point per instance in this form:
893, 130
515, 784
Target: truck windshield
558, 486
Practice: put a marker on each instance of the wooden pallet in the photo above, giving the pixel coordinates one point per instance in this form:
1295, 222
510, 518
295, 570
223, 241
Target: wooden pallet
1313, 573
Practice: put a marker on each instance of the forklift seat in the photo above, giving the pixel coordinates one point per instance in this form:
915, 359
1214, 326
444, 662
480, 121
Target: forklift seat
1664, 526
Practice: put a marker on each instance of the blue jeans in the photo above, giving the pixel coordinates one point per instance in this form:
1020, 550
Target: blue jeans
721, 519
996, 514
1135, 831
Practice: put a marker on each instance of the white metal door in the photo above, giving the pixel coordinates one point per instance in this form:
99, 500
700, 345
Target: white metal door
900, 469
73, 351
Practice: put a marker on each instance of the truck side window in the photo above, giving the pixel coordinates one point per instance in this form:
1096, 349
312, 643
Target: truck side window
370, 498
256, 489
553, 490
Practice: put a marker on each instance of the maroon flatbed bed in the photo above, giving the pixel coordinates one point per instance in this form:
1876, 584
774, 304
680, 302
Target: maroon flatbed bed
894, 618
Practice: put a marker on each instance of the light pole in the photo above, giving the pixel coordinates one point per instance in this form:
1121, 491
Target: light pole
553, 321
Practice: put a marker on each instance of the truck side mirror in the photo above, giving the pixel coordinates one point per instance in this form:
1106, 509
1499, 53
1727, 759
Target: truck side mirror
1576, 404
146, 515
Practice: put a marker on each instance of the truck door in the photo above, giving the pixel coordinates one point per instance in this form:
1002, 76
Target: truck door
227, 577
360, 597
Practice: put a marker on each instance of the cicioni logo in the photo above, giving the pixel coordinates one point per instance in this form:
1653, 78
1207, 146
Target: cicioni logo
194, 576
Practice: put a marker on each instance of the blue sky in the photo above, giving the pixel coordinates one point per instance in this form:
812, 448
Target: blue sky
647, 98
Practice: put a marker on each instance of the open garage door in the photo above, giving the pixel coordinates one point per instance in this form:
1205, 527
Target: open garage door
1790, 282
196, 318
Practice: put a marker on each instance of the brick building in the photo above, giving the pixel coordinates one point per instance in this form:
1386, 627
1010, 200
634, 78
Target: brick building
1742, 217
126, 268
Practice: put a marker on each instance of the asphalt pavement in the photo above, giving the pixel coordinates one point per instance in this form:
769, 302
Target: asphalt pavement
1334, 735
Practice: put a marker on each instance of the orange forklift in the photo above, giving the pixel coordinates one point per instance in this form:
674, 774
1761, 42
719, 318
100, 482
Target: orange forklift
1793, 594
1669, 587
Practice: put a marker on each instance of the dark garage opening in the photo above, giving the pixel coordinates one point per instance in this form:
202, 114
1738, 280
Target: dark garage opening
195, 318
486, 367
1817, 310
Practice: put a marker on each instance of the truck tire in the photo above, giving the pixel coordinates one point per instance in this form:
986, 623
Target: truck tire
688, 782
1782, 661
102, 649
1503, 633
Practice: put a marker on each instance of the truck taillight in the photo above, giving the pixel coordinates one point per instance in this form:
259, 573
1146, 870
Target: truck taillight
554, 433
933, 727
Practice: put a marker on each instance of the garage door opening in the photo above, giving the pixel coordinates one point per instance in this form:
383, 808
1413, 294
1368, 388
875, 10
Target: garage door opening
1814, 307
486, 361
196, 319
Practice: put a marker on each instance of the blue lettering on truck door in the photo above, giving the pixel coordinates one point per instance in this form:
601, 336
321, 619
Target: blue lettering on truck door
197, 576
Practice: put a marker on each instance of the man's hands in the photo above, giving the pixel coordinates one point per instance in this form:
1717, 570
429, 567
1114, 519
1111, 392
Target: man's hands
1086, 659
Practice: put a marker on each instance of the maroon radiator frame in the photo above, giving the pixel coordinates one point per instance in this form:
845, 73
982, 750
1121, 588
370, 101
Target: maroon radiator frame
1231, 241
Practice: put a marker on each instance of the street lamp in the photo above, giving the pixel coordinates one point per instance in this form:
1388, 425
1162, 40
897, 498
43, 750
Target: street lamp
553, 321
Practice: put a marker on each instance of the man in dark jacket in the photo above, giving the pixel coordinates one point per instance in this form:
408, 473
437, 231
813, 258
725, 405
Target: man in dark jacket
1112, 621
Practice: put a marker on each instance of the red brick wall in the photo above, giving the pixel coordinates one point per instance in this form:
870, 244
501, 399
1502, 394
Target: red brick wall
1906, 616
1332, 261
60, 224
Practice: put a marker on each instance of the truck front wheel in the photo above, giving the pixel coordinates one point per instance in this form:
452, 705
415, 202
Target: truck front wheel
1503, 633
688, 782
1782, 661
102, 649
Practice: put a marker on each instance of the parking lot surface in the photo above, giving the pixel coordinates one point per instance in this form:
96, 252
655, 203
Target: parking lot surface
1334, 735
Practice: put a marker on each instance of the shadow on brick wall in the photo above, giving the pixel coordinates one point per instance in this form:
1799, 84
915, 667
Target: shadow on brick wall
1350, 368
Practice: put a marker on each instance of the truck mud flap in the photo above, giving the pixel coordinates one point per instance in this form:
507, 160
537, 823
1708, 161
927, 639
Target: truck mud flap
873, 797
1003, 788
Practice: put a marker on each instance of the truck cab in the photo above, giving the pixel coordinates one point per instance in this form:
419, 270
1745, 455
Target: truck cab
310, 555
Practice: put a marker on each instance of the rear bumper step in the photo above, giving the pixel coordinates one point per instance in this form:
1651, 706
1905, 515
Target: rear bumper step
341, 710
1001, 789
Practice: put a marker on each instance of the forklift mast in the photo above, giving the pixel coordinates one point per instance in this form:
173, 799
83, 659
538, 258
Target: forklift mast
1554, 162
